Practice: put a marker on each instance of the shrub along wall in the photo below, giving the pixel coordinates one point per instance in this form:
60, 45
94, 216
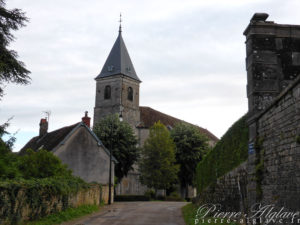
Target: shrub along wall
31, 199
228, 153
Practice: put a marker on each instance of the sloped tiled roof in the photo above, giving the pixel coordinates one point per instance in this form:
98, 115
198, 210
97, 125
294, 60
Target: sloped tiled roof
149, 116
50, 140
118, 61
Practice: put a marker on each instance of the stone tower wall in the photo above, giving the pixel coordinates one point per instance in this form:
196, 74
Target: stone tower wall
272, 60
118, 102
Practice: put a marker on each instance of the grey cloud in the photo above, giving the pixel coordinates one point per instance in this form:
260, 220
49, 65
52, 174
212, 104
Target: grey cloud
190, 56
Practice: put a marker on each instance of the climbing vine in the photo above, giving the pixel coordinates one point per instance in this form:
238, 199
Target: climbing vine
228, 153
37, 194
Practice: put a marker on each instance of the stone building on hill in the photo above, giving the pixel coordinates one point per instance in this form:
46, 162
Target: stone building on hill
117, 92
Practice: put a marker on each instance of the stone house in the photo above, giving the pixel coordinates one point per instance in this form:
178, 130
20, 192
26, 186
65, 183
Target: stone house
117, 92
78, 147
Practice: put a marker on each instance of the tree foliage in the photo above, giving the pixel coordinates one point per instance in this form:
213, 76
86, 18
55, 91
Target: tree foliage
228, 153
42, 164
191, 146
11, 69
157, 166
8, 160
119, 137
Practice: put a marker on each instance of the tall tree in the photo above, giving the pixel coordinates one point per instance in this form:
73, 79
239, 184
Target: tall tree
11, 69
191, 146
157, 166
119, 137
8, 160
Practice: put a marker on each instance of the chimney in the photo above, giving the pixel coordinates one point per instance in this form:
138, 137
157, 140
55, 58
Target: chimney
43, 127
86, 119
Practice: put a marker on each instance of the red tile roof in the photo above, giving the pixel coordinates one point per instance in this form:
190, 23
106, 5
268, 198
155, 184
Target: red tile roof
149, 116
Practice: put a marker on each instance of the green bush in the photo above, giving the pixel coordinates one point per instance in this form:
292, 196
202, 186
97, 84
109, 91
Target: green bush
174, 196
32, 180
150, 193
42, 164
228, 153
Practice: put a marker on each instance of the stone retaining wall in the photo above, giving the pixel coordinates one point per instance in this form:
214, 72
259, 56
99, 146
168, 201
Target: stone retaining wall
21, 208
229, 190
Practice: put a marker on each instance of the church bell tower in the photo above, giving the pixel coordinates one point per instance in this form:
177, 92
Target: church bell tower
117, 86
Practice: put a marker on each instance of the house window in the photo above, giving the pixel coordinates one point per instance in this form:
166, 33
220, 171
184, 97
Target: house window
107, 92
130, 94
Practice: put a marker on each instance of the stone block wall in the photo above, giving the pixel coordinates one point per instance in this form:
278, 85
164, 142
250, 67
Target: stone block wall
229, 191
20, 208
277, 152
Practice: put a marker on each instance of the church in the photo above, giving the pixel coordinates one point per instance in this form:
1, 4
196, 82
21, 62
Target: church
117, 92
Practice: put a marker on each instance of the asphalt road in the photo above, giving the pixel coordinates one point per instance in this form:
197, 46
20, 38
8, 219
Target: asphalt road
135, 213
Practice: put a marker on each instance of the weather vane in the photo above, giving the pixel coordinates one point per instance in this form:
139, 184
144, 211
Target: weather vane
120, 28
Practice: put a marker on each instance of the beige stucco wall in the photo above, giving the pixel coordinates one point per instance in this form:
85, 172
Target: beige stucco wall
85, 157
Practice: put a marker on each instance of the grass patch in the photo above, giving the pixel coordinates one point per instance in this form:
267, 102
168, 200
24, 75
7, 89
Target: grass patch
66, 215
189, 212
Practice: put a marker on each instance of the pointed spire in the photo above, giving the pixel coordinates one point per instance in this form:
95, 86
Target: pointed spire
120, 21
118, 61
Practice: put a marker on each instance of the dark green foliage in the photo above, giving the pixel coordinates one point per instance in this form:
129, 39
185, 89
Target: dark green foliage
228, 153
119, 137
11, 70
8, 160
150, 193
174, 197
157, 167
8, 163
42, 164
131, 198
11, 140
16, 192
191, 146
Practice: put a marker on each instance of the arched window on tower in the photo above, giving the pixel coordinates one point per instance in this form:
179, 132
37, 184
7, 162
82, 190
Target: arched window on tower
107, 92
130, 94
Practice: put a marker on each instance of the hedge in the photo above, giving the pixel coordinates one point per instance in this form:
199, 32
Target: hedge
16, 194
228, 153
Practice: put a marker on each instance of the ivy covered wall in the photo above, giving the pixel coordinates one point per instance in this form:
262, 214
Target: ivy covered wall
228, 153
32, 199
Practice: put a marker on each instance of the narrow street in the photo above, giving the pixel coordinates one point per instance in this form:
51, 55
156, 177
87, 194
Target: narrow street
135, 213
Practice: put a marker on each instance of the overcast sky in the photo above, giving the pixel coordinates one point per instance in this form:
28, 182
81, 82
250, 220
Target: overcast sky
190, 56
